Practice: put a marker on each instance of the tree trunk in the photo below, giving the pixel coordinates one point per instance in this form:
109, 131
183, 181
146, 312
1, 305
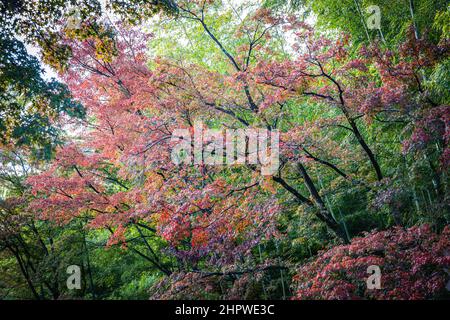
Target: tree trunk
366, 148
323, 213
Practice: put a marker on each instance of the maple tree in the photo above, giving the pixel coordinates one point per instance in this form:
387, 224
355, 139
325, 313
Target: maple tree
352, 120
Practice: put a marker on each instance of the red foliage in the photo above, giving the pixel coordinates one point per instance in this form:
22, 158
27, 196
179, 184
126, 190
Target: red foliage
120, 170
412, 263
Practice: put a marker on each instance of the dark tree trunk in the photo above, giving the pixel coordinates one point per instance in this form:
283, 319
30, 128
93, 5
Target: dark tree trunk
323, 214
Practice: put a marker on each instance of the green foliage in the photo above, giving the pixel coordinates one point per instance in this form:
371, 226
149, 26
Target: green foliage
28, 102
397, 16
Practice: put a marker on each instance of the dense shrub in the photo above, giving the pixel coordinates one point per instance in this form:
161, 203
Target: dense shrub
414, 264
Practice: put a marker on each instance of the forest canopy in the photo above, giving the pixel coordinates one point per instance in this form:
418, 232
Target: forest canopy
210, 149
